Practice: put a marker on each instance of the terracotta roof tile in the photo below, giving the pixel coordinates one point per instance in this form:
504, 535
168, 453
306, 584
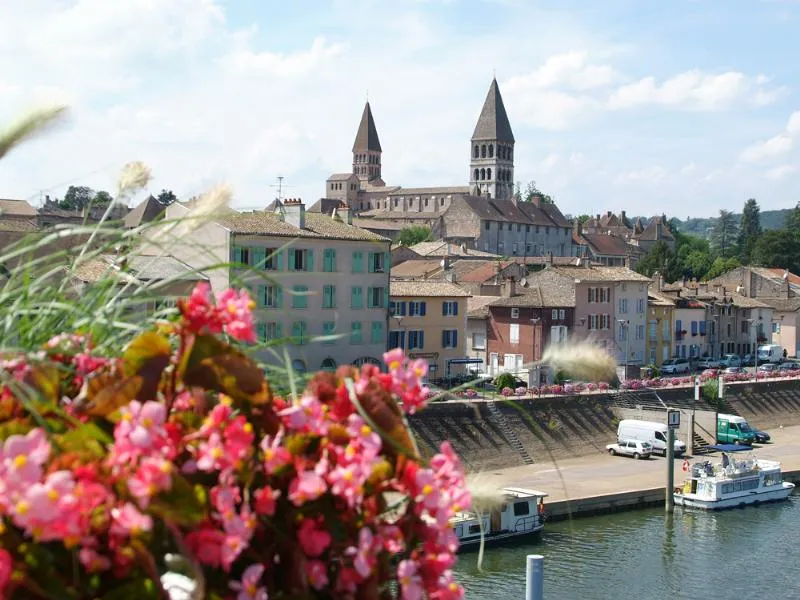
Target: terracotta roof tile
426, 289
416, 268
21, 208
317, 226
607, 245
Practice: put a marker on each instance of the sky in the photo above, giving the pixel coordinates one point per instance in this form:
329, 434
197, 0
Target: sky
683, 107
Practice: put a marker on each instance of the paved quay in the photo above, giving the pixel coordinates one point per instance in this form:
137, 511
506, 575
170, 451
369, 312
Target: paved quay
604, 483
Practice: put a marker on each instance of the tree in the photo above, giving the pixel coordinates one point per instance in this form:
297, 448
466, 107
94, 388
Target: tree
779, 248
724, 234
77, 197
102, 199
414, 234
166, 197
749, 230
583, 218
660, 258
721, 265
531, 192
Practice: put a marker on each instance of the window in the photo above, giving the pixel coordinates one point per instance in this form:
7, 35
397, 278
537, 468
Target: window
450, 308
328, 329
329, 296
514, 248
593, 295
558, 334
594, 322
521, 509
623, 305
301, 260
271, 330
605, 322
449, 338
702, 327
397, 339
357, 297
513, 333
269, 296
355, 333
640, 305
358, 262
416, 340
479, 341
300, 296
299, 333
640, 332
500, 246
562, 314
487, 225
377, 336
528, 248
375, 297
416, 309
652, 331
329, 260
776, 327
623, 333
694, 327
665, 330
397, 308
376, 262
243, 255
515, 313
554, 315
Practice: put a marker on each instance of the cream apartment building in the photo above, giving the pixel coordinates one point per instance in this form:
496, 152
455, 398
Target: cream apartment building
321, 285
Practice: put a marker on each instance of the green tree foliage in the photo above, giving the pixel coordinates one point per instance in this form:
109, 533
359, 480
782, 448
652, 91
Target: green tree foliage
414, 234
724, 234
749, 230
79, 197
660, 258
720, 266
531, 192
166, 197
779, 248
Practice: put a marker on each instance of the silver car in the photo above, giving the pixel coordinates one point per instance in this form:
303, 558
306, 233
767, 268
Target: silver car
633, 448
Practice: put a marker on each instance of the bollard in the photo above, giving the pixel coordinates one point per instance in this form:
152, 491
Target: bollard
534, 577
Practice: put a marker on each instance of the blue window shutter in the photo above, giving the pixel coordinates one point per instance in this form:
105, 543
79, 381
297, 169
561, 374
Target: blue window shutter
310, 260
455, 308
455, 338
291, 260
421, 340
694, 327
422, 309
444, 309
444, 338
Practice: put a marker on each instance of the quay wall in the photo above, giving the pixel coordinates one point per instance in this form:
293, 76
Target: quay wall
573, 426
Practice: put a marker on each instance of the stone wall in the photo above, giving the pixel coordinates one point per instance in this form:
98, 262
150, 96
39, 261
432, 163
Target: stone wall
574, 426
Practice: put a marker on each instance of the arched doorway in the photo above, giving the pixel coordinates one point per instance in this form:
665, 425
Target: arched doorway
328, 364
367, 360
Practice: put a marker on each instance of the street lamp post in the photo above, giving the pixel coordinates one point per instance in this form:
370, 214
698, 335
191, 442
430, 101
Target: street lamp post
624, 324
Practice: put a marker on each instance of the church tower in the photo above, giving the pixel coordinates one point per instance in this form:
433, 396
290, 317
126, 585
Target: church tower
367, 150
492, 150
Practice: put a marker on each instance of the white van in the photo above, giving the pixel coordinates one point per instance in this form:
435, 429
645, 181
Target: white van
648, 431
770, 353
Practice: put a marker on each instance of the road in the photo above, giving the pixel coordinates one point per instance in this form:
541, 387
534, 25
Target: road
596, 475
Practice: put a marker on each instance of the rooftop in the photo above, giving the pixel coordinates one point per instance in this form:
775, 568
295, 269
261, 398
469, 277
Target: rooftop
146, 211
442, 248
143, 268
317, 225
20, 208
367, 134
18, 225
417, 268
607, 245
599, 273
478, 306
426, 289
493, 124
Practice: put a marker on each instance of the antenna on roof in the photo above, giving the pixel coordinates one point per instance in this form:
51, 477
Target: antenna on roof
280, 187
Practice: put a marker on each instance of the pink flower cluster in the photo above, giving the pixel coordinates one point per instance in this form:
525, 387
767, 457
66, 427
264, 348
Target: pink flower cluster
407, 376
232, 313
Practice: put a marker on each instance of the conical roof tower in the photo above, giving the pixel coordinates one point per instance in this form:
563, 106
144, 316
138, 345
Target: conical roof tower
492, 149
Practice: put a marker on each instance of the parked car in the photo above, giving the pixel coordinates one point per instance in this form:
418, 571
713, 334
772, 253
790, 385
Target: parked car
672, 366
733, 370
708, 363
789, 365
633, 448
731, 360
710, 373
748, 360
767, 368
761, 437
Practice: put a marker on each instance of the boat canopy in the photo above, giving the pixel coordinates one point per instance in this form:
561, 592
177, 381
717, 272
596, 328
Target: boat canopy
729, 448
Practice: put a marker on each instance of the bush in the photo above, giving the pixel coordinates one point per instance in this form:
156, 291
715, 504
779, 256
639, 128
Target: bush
710, 390
505, 380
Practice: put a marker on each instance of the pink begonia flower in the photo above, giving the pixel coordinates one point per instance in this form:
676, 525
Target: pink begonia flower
308, 415
249, 588
317, 572
23, 457
198, 311
366, 557
127, 521
211, 454
142, 424
448, 589
393, 539
427, 490
224, 499
266, 501
306, 487
6, 569
409, 579
153, 475
92, 561
394, 359
205, 544
236, 312
43, 500
239, 530
348, 483
313, 539
276, 455
239, 436
216, 418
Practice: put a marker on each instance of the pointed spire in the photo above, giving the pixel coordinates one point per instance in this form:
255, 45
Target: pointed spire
367, 136
493, 123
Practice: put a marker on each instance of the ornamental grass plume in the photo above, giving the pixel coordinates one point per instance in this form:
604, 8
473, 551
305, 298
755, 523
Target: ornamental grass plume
581, 360
29, 125
133, 177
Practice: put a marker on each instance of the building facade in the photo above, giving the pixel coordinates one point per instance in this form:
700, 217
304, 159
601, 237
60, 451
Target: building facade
660, 316
429, 321
321, 285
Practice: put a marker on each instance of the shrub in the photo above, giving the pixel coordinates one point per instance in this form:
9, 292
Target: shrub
505, 380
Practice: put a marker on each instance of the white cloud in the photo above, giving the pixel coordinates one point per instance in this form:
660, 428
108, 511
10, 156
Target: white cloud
793, 126
780, 172
550, 162
654, 174
571, 69
775, 146
246, 61
691, 90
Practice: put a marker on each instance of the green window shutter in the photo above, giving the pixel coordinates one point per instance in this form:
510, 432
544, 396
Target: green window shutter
260, 255
385, 297
234, 250
261, 329
278, 296
387, 261
377, 332
333, 261
296, 332
279, 330
355, 333
303, 332
279, 259
371, 262
310, 260
291, 259
358, 262
300, 298
369, 298
261, 292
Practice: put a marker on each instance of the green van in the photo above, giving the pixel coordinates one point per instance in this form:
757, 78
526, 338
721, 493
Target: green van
732, 429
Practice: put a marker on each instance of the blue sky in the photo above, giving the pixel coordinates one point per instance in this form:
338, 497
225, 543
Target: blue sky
683, 107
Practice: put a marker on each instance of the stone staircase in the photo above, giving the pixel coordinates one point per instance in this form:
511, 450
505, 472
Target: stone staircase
508, 432
700, 444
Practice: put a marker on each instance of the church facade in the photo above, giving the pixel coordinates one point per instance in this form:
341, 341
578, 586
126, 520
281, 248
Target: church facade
484, 215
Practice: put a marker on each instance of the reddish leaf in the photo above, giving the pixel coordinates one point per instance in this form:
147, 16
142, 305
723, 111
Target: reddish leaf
44, 379
105, 392
147, 356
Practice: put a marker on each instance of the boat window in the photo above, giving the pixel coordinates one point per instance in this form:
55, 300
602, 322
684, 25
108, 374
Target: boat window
772, 479
521, 509
660, 436
727, 488
474, 529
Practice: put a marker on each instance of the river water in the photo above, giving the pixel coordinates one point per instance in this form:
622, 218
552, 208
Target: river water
749, 553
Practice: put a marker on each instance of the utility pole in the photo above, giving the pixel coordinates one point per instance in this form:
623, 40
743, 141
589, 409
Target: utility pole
673, 422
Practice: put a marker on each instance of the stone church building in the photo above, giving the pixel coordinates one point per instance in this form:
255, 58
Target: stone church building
484, 215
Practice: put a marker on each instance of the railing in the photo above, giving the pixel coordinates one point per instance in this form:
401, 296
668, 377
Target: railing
526, 523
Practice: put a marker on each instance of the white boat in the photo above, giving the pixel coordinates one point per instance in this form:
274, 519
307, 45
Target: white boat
522, 513
732, 482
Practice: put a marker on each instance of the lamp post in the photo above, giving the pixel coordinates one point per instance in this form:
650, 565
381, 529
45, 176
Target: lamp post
624, 324
400, 339
752, 323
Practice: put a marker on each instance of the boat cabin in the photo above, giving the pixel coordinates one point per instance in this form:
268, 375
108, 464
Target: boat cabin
521, 512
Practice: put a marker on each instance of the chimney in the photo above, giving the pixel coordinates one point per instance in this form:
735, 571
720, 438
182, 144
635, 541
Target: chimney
628, 262
536, 200
508, 287
345, 213
577, 228
598, 218
624, 218
608, 213
294, 212
658, 281
586, 262
446, 262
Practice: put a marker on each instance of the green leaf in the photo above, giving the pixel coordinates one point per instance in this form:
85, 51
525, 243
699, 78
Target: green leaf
86, 438
139, 589
44, 380
14, 427
181, 505
147, 356
214, 365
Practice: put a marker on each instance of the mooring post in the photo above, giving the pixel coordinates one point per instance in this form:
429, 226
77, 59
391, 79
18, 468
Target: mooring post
534, 577
673, 422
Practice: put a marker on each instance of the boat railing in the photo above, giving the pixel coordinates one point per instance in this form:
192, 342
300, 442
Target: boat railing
526, 523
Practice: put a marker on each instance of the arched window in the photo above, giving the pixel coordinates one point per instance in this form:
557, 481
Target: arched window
483, 174
483, 151
299, 365
475, 151
367, 360
476, 173
491, 150
489, 173
328, 364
